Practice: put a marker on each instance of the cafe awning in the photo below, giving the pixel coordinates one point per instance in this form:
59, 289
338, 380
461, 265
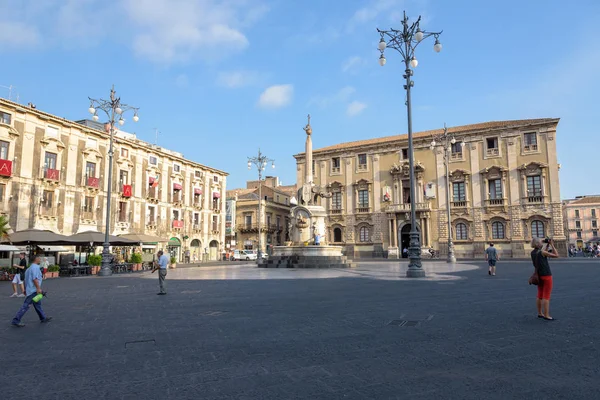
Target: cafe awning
8, 247
36, 236
52, 249
97, 238
197, 191
143, 238
174, 242
177, 186
216, 195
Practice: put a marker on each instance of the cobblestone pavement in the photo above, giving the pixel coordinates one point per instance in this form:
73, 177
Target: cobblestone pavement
237, 332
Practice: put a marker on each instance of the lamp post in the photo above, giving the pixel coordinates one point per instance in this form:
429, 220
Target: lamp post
405, 42
446, 142
260, 162
113, 109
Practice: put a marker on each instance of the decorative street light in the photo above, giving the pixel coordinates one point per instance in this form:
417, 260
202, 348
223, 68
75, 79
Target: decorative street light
113, 109
446, 142
260, 162
405, 41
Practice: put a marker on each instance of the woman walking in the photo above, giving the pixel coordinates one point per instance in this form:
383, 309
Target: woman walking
540, 256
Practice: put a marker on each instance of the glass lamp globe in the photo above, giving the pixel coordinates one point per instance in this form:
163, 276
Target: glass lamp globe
414, 62
437, 46
419, 35
382, 60
462, 144
382, 45
92, 110
118, 110
121, 121
453, 141
95, 117
136, 118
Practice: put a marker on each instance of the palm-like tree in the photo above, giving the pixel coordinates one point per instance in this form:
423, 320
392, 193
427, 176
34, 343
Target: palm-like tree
4, 228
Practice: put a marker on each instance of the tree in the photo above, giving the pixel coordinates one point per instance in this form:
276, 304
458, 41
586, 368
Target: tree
4, 228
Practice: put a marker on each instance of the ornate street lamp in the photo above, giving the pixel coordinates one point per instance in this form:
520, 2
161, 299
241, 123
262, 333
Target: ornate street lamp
260, 162
405, 42
446, 142
113, 109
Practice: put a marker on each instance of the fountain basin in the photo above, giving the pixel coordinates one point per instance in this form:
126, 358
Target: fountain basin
306, 257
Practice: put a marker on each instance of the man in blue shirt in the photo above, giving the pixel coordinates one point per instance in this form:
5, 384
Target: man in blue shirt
163, 263
33, 287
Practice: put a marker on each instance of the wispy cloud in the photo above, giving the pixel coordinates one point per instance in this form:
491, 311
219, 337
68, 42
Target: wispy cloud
355, 108
353, 64
237, 79
18, 34
325, 101
276, 96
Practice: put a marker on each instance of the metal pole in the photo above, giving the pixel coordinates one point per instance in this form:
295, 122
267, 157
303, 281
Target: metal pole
105, 270
259, 252
451, 258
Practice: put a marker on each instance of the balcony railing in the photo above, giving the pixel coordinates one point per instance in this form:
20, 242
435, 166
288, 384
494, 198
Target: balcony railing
198, 204
126, 191
336, 210
495, 202
493, 152
456, 156
92, 182
535, 199
459, 204
51, 174
530, 147
405, 207
363, 209
335, 170
197, 227
272, 228
5, 168
177, 224
153, 193
362, 167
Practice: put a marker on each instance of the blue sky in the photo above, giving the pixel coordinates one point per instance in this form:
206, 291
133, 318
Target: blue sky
219, 79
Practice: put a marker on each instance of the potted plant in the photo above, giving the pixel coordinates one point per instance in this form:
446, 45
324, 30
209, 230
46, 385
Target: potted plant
136, 260
173, 262
94, 261
52, 271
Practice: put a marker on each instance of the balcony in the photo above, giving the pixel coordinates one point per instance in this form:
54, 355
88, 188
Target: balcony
361, 209
405, 207
5, 168
197, 227
153, 194
494, 202
151, 223
493, 152
456, 156
335, 210
362, 167
335, 170
535, 199
215, 231
253, 228
92, 182
530, 148
177, 224
198, 205
126, 190
51, 175
459, 204
216, 210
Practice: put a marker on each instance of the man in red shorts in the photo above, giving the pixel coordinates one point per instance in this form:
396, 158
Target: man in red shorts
539, 256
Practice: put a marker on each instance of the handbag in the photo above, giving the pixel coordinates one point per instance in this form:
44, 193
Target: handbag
534, 279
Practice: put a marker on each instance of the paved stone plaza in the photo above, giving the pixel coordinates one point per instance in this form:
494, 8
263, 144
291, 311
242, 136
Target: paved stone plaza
239, 332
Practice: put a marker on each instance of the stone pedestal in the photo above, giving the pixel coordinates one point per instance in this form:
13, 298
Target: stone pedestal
306, 257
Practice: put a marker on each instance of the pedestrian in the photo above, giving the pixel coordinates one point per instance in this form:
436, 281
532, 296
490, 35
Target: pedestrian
19, 277
162, 264
317, 239
491, 255
540, 256
45, 264
33, 287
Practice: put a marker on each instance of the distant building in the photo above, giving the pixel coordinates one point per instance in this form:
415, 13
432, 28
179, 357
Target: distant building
504, 188
54, 175
275, 209
580, 216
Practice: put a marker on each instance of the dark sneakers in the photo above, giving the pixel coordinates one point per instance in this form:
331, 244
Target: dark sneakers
18, 325
161, 294
48, 319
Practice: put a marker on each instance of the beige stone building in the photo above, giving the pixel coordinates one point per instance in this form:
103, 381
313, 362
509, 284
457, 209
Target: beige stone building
580, 217
275, 214
53, 175
504, 187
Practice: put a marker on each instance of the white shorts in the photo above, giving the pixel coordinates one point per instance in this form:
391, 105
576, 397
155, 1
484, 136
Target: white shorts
17, 279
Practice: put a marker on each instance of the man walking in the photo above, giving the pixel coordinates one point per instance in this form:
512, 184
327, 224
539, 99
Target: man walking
19, 277
33, 287
491, 255
163, 262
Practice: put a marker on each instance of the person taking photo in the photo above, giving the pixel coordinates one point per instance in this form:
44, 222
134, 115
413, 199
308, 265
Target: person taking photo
542, 250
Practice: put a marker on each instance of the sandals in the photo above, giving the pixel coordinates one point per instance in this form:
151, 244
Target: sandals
549, 319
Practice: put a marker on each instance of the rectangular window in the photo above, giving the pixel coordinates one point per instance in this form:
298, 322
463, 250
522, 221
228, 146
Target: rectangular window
595, 233
578, 235
492, 147
88, 204
335, 164
176, 168
197, 199
268, 219
336, 201
196, 219
198, 174
2, 191
4, 149
576, 213
495, 186
405, 154
363, 234
124, 152
278, 221
577, 224
248, 220
50, 160
363, 198
362, 161
458, 191
175, 215
123, 177
534, 185
215, 179
594, 224
90, 169
152, 160
530, 141
151, 215
215, 223
5, 118
497, 230
48, 199
456, 148
593, 213
122, 211
314, 167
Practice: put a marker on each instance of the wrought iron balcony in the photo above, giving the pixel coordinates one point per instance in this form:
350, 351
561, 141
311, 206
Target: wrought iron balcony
405, 207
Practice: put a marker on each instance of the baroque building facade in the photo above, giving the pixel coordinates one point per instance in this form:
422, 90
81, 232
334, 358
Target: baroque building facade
274, 216
504, 188
54, 175
580, 216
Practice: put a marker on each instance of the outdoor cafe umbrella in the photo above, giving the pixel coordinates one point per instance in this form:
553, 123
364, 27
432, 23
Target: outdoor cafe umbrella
97, 238
36, 236
142, 238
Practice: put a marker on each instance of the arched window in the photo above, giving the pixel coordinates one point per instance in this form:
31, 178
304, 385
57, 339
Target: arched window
461, 231
337, 235
497, 230
363, 234
537, 229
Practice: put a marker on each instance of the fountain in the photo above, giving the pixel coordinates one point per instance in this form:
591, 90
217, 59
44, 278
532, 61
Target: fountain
306, 228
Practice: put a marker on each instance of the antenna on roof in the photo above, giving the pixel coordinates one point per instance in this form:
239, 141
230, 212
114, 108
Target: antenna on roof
10, 88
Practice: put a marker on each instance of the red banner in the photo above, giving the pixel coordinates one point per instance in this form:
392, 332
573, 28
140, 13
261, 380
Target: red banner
52, 174
126, 191
93, 182
5, 168
178, 224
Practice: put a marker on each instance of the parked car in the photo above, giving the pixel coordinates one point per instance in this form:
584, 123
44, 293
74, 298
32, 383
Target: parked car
243, 255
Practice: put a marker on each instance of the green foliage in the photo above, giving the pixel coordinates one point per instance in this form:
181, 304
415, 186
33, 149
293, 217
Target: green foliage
95, 260
54, 268
4, 228
136, 258
173, 260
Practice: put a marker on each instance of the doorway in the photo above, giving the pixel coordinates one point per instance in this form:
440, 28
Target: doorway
213, 251
405, 239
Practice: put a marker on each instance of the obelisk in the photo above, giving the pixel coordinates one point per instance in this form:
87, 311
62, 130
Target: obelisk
308, 176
